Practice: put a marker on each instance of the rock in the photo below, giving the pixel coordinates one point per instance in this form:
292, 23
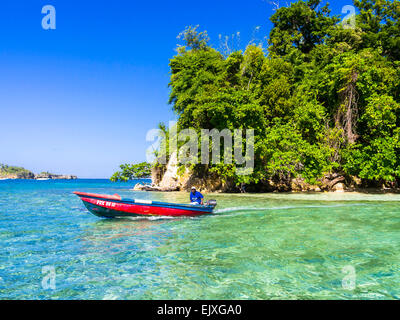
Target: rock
297, 185
28, 175
24, 175
314, 188
356, 180
170, 178
300, 185
19, 175
336, 181
146, 187
46, 175
339, 187
138, 187
207, 184
328, 182
12, 172
157, 173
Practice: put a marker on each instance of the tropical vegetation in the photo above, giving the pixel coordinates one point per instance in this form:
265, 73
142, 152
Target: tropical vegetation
132, 171
6, 170
323, 96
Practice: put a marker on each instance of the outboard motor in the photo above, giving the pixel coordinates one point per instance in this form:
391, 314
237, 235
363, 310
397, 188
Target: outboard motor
212, 203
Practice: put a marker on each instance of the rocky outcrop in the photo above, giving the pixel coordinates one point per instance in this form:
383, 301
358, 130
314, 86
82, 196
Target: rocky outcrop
20, 175
299, 185
12, 172
210, 183
173, 178
169, 180
147, 187
51, 176
330, 182
157, 173
339, 187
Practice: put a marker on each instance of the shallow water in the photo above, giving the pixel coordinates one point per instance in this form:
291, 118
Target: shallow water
270, 246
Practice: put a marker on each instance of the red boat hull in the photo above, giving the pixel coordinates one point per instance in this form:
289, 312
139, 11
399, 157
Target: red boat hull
114, 206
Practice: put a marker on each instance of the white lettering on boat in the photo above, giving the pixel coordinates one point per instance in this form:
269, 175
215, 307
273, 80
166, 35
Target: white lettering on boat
105, 203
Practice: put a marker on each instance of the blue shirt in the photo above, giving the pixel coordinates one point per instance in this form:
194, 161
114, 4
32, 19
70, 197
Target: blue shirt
196, 197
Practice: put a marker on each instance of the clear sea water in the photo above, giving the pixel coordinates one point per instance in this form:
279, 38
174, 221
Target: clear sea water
269, 246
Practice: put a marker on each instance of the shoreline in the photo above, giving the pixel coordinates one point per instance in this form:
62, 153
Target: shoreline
156, 189
251, 199
366, 192
63, 177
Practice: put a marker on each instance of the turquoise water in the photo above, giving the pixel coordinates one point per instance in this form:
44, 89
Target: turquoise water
271, 246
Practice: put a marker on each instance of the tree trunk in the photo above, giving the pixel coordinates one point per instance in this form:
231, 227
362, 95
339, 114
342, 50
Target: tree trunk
347, 114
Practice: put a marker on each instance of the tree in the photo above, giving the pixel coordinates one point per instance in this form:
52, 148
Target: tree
132, 171
321, 98
301, 26
380, 23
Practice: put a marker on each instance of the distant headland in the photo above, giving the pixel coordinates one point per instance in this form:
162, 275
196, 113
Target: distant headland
12, 172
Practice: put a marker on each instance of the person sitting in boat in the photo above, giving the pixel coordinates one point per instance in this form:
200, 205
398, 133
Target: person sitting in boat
196, 197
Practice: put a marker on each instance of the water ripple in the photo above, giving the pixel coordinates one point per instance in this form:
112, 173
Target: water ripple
254, 247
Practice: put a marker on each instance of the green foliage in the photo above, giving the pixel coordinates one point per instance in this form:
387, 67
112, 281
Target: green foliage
6, 170
376, 156
132, 171
324, 99
380, 22
301, 26
288, 154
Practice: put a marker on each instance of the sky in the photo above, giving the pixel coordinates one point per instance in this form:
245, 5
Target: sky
81, 98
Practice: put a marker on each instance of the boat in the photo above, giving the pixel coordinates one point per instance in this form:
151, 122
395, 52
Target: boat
113, 206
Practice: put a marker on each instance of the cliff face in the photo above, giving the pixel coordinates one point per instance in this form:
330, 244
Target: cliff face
20, 175
12, 172
170, 179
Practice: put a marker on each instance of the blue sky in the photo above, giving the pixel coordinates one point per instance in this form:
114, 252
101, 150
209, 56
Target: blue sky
80, 99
